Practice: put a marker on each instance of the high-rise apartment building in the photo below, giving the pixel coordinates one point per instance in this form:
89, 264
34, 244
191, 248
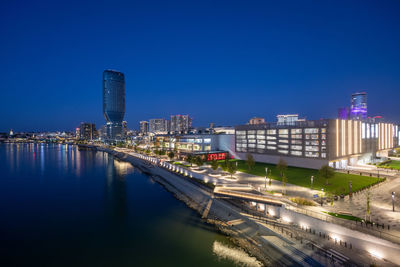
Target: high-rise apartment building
114, 103
287, 119
144, 127
157, 125
180, 123
87, 131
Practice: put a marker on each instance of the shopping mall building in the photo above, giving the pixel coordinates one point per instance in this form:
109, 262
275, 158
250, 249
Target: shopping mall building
312, 144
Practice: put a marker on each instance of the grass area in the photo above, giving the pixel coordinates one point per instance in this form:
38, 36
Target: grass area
302, 201
181, 164
339, 184
395, 164
344, 216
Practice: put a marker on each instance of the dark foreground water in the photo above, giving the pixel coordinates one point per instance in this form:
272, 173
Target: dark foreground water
64, 207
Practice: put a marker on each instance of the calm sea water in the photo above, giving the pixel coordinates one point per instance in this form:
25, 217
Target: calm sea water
63, 207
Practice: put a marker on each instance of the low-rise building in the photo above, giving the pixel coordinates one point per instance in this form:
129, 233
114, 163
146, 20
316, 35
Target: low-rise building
312, 144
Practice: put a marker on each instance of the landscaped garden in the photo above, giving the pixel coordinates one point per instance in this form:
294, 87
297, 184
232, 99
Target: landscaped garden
393, 164
338, 184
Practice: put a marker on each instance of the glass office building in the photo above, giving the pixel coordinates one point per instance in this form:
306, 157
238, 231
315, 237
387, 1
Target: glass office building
114, 103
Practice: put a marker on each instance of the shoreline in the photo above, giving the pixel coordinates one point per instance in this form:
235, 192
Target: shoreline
191, 200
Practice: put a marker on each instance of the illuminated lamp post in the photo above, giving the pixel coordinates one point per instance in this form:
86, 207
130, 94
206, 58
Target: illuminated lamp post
322, 192
312, 181
393, 200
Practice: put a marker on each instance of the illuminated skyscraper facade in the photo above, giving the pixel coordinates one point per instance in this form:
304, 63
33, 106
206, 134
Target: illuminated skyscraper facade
114, 103
358, 110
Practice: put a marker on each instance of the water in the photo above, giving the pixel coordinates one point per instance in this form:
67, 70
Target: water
63, 207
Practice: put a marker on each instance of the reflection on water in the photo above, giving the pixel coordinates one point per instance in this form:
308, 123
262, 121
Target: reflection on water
238, 256
63, 207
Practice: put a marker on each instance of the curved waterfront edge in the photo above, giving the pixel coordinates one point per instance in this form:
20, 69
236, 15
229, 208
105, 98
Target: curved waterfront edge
197, 197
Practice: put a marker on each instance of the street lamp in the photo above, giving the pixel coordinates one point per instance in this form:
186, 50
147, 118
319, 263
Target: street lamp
266, 173
312, 181
393, 200
322, 192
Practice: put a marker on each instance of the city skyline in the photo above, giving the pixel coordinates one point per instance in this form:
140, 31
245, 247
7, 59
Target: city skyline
304, 61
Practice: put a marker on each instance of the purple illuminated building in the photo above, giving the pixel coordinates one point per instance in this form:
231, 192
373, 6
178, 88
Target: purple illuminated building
344, 113
358, 110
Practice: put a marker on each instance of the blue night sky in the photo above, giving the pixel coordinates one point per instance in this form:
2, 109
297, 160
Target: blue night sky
219, 61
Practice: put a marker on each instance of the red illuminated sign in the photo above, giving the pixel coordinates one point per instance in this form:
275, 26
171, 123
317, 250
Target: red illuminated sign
216, 156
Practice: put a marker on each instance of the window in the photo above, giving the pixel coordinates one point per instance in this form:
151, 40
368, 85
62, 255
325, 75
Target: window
271, 131
311, 148
241, 141
323, 136
297, 142
283, 136
207, 140
323, 143
283, 141
251, 140
312, 143
240, 132
261, 132
261, 146
251, 132
283, 151
323, 155
207, 148
297, 136
283, 146
323, 149
252, 145
240, 137
296, 147
260, 136
251, 136
283, 131
311, 130
312, 154
260, 141
271, 142
271, 147
271, 137
323, 130
363, 130
296, 153
296, 131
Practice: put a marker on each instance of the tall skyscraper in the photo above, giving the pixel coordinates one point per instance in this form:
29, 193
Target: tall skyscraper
180, 123
114, 103
358, 110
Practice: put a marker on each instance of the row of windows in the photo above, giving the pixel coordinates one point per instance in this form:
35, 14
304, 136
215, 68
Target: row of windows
295, 136
282, 131
263, 149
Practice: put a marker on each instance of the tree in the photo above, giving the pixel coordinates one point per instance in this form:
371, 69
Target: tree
368, 210
190, 159
199, 161
224, 165
250, 161
281, 166
171, 155
214, 165
231, 168
284, 181
326, 172
162, 152
148, 151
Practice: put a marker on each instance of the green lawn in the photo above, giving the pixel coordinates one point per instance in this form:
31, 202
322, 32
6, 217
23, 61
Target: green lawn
395, 164
300, 176
344, 216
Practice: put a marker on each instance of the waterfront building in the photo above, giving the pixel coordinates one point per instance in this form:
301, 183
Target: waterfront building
180, 123
114, 103
87, 131
215, 145
312, 144
287, 119
144, 127
256, 120
158, 126
358, 109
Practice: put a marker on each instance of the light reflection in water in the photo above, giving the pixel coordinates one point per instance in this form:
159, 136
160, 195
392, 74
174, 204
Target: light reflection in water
238, 256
